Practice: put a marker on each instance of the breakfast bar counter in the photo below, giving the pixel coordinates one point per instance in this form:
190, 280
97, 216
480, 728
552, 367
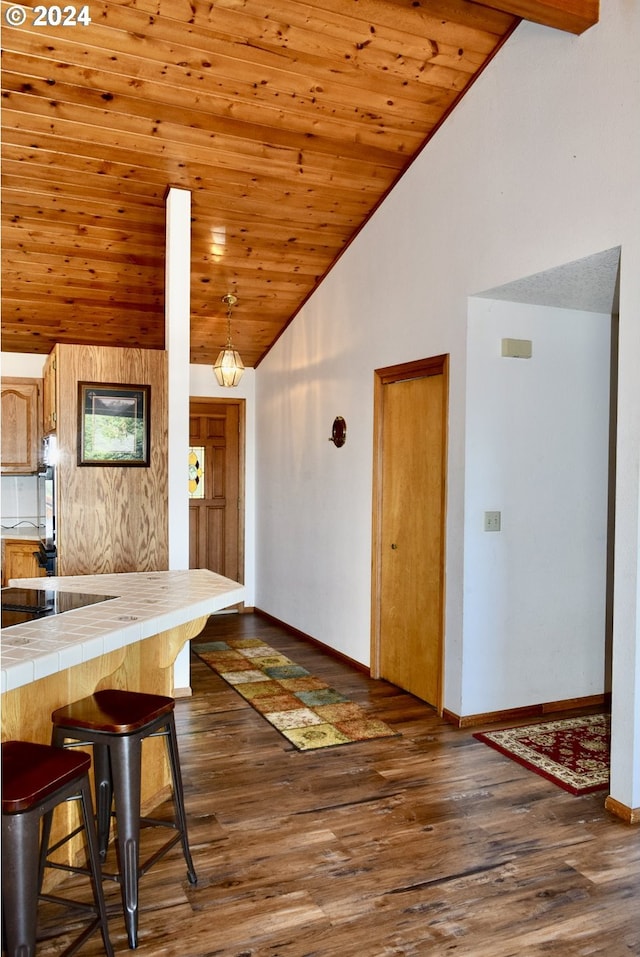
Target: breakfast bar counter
129, 641
140, 605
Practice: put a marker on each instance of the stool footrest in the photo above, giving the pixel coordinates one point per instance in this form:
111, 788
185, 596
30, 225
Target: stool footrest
70, 868
158, 854
79, 941
68, 902
148, 864
64, 840
156, 822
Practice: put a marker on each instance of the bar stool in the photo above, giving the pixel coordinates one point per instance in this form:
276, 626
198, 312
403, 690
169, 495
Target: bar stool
115, 723
35, 779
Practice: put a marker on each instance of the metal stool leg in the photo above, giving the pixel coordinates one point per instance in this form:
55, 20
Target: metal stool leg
94, 864
178, 796
45, 834
125, 768
102, 780
104, 795
20, 839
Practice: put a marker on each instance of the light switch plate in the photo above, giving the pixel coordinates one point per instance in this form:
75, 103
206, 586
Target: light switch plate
492, 521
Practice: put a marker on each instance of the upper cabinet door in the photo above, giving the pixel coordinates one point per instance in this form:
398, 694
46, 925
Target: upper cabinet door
21, 425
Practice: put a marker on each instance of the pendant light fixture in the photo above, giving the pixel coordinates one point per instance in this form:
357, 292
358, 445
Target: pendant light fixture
228, 367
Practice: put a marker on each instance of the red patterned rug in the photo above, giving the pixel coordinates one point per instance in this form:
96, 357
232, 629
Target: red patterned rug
571, 752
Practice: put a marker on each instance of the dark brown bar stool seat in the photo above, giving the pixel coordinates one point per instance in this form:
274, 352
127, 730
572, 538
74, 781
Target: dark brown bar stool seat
35, 779
115, 723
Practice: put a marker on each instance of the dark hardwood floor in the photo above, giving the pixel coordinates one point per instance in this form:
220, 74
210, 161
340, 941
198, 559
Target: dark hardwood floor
430, 843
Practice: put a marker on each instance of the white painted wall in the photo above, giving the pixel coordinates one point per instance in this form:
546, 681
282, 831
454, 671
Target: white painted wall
537, 167
25, 365
537, 434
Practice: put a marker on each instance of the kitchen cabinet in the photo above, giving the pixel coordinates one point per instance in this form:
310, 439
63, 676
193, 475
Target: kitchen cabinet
18, 559
50, 393
21, 425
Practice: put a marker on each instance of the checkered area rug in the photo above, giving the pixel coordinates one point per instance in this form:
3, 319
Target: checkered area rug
303, 708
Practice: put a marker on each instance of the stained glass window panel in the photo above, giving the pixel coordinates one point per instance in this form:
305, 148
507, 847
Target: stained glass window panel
196, 471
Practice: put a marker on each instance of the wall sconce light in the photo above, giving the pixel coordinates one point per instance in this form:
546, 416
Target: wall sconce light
228, 367
338, 432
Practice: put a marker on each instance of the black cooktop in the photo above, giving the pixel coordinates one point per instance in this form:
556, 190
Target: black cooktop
29, 604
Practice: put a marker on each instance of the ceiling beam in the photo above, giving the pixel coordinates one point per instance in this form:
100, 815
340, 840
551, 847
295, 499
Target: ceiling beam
574, 16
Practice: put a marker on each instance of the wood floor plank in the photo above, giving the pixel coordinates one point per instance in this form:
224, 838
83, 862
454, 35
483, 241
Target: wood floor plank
427, 843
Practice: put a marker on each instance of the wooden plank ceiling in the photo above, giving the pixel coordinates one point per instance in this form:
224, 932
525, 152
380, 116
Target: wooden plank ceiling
289, 120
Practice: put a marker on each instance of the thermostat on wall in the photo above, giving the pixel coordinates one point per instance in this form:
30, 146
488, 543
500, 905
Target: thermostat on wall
517, 348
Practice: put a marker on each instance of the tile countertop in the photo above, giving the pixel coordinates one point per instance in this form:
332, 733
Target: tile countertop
144, 604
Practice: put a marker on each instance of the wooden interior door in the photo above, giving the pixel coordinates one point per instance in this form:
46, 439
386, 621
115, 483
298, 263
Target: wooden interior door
409, 512
216, 519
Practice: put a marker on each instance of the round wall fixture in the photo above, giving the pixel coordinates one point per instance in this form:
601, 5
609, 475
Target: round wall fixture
338, 432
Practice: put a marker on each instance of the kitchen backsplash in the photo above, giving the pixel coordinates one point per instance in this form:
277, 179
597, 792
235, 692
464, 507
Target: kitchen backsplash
19, 501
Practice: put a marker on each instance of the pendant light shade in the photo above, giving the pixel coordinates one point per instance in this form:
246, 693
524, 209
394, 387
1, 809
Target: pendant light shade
228, 367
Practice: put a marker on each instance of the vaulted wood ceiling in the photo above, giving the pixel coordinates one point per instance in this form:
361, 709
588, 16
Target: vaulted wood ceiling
289, 120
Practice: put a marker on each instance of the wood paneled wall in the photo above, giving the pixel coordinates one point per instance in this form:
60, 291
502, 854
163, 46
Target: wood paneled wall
111, 518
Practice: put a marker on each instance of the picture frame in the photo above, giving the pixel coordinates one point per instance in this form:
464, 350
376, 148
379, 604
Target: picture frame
114, 426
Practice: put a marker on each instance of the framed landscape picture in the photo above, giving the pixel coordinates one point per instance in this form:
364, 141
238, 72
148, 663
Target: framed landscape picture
113, 424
